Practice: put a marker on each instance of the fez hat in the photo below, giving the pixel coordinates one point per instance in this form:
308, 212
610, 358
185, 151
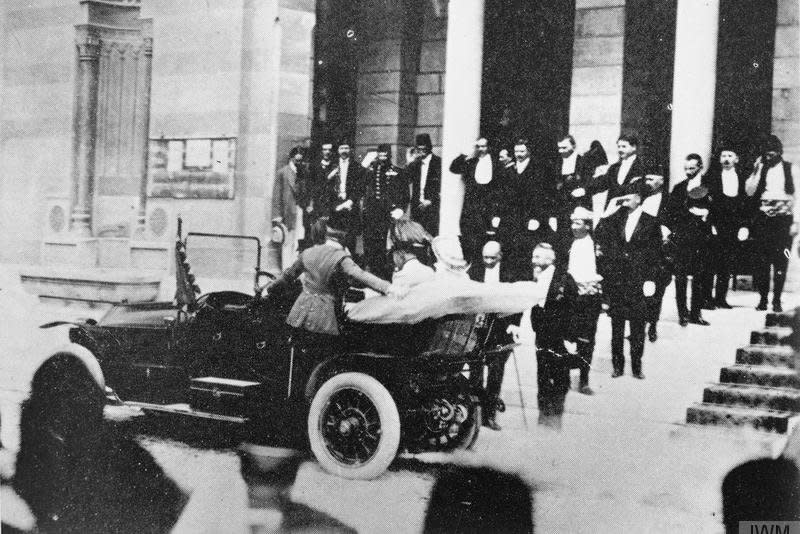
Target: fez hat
423, 139
344, 141
581, 214
385, 147
772, 143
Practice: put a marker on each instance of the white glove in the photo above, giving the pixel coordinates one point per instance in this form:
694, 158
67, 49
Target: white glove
601, 170
665, 232
396, 213
571, 346
579, 192
553, 224
368, 159
649, 288
533, 225
743, 234
495, 222
346, 205
713, 230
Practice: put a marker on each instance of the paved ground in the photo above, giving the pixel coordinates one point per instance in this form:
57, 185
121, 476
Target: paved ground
625, 462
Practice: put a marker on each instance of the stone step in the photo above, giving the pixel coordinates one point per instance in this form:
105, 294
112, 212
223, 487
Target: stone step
765, 398
715, 414
774, 335
760, 375
768, 355
785, 318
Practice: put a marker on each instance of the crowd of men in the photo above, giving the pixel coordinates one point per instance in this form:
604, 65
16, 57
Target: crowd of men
520, 216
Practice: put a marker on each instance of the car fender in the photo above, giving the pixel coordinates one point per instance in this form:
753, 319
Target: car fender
85, 356
363, 362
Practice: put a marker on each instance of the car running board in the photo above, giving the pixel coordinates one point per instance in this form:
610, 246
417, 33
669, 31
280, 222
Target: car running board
184, 410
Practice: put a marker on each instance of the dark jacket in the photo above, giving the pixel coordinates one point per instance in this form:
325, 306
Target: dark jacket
689, 231
570, 190
316, 177
627, 265
555, 322
385, 188
728, 214
482, 202
529, 195
330, 198
499, 336
608, 181
427, 217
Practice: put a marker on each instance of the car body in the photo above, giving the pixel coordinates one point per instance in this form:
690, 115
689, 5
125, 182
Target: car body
230, 356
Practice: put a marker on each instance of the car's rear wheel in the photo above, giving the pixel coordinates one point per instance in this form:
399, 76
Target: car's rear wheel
354, 426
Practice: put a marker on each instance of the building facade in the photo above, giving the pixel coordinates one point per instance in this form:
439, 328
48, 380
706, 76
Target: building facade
120, 115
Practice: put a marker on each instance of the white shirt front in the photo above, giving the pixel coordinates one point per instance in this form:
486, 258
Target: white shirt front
483, 170
652, 204
776, 183
423, 176
694, 182
343, 166
568, 164
624, 169
522, 165
544, 280
630, 224
582, 262
730, 182
491, 275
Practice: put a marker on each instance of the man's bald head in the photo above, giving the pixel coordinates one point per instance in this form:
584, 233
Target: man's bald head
491, 253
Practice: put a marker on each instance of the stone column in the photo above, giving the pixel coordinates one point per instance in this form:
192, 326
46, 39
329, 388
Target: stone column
85, 130
694, 82
143, 132
462, 101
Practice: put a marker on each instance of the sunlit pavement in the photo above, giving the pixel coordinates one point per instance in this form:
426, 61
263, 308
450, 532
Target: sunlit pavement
624, 461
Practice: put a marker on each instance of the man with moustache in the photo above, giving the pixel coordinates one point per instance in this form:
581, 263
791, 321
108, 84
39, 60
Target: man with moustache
654, 204
569, 187
425, 176
630, 240
289, 200
628, 169
729, 216
527, 218
582, 266
385, 197
556, 338
492, 270
341, 192
482, 179
687, 219
771, 188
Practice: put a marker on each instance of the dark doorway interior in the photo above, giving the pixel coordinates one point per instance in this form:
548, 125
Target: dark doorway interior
746, 47
649, 61
527, 72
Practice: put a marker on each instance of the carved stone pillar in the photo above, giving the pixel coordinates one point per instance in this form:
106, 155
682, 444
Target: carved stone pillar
143, 131
85, 130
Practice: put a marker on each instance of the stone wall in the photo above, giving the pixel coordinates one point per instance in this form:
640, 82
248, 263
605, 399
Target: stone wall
596, 97
786, 79
430, 77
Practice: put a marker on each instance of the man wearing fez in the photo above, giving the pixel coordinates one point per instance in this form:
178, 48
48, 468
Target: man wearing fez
385, 197
491, 270
687, 219
341, 194
482, 179
630, 241
729, 216
289, 201
425, 176
582, 266
772, 189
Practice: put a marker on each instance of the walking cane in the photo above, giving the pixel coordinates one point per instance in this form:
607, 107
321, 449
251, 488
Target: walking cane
519, 388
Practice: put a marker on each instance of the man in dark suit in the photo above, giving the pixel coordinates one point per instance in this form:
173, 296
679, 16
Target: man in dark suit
528, 215
569, 188
628, 169
729, 216
317, 175
630, 240
556, 337
491, 270
655, 204
289, 201
424, 174
480, 215
385, 197
686, 218
340, 194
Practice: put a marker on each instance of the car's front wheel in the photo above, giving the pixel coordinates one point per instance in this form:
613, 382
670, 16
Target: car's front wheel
354, 426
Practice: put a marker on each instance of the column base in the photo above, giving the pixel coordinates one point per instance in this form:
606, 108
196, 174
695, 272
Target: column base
71, 250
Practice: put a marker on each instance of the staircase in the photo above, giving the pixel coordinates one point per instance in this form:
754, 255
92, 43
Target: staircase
762, 390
